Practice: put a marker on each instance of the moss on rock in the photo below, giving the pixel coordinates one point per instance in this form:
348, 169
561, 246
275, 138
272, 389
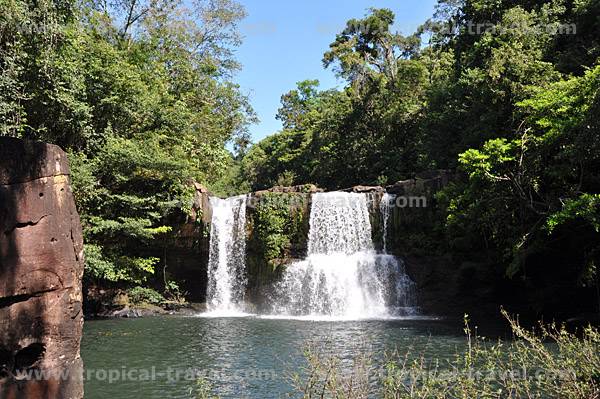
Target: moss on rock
278, 226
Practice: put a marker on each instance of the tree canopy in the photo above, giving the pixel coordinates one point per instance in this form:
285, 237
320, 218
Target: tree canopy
140, 94
505, 92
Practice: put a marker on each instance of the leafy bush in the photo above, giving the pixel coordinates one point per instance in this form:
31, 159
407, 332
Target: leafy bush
278, 222
286, 178
173, 292
204, 389
139, 295
102, 267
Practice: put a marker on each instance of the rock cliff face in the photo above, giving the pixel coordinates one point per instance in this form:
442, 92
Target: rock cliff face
187, 252
41, 266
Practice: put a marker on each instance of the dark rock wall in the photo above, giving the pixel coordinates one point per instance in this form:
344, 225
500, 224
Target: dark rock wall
184, 254
445, 285
457, 280
41, 266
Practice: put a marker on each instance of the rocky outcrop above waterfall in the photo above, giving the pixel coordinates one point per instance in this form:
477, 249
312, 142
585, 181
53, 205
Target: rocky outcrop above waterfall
425, 183
41, 266
302, 188
365, 189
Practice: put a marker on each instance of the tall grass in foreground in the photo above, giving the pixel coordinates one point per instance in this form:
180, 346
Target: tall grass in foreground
547, 362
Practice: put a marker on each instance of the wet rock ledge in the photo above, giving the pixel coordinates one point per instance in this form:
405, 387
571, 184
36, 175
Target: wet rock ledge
41, 265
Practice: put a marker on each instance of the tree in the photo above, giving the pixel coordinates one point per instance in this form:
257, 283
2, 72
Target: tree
139, 93
541, 185
297, 104
367, 47
340, 138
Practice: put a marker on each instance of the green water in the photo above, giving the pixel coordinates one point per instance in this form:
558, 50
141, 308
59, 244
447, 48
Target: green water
160, 357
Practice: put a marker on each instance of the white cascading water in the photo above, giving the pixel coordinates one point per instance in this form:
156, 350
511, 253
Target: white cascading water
339, 222
227, 254
343, 277
385, 208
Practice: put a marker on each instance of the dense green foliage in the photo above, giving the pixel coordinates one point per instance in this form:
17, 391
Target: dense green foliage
506, 92
278, 221
143, 295
541, 185
408, 107
140, 94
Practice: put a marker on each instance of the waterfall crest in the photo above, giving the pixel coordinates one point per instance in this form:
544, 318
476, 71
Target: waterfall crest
227, 265
342, 276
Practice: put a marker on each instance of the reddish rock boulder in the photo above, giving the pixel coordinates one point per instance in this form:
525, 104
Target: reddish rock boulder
41, 265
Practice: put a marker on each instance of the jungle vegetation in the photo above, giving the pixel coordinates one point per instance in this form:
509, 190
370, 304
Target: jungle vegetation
142, 95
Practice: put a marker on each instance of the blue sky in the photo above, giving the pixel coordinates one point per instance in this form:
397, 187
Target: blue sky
284, 42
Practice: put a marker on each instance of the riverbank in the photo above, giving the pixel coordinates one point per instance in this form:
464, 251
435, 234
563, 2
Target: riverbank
119, 303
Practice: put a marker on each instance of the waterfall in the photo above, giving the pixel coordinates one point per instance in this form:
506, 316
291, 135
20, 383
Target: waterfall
342, 276
227, 254
339, 222
385, 209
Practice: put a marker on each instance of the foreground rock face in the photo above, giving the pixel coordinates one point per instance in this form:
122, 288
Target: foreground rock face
41, 265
